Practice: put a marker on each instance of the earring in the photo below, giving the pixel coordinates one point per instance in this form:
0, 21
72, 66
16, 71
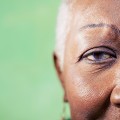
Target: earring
65, 112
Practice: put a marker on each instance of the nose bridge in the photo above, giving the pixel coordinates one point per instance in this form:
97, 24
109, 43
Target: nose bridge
117, 77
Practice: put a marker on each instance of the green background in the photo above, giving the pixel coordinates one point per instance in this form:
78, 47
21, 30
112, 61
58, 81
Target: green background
29, 88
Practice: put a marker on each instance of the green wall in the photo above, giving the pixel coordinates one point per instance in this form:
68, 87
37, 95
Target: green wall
29, 88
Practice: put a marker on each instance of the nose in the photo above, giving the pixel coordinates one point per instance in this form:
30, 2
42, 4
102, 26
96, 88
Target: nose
115, 96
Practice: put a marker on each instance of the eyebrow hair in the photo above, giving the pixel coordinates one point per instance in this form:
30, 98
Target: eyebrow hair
113, 27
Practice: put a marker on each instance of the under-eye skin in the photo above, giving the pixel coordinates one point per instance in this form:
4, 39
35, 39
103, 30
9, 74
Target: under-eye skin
98, 55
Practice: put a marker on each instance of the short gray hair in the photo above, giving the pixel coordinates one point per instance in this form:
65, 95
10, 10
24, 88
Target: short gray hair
62, 30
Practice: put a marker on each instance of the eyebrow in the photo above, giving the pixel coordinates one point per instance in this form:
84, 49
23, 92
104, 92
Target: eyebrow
113, 27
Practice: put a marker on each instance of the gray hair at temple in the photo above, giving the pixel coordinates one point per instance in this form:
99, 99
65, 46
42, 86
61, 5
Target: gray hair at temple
63, 26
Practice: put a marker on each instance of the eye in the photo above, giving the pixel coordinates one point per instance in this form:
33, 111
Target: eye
99, 55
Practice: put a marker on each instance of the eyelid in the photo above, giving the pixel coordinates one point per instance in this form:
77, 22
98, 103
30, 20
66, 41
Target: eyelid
105, 49
99, 51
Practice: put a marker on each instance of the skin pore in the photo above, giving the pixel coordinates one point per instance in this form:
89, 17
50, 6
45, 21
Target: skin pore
91, 70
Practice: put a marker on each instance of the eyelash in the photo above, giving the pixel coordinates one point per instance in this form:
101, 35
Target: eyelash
102, 56
107, 56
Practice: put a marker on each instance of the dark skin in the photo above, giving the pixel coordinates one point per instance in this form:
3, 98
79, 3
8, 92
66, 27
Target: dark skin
91, 70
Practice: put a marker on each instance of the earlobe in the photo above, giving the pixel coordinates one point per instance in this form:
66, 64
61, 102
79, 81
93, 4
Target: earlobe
65, 97
60, 74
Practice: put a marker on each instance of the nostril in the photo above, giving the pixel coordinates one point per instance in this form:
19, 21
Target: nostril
117, 105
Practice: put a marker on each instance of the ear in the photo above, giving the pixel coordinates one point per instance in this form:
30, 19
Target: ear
60, 74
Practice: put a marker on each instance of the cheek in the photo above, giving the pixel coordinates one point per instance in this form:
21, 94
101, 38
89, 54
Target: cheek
87, 94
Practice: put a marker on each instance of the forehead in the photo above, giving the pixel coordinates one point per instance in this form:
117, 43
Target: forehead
94, 12
94, 2
89, 11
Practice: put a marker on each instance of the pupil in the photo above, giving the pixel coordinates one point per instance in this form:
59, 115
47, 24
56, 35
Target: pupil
98, 56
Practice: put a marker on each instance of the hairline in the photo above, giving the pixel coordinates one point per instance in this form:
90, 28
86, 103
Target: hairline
62, 29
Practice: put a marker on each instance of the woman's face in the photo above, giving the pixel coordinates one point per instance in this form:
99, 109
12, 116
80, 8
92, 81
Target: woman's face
92, 60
